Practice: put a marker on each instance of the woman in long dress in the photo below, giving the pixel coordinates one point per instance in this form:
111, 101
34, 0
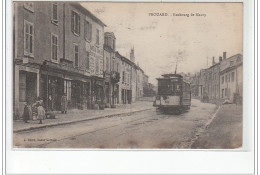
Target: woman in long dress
64, 104
41, 112
26, 112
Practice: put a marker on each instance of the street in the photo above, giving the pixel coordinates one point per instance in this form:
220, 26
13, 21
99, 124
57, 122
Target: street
146, 129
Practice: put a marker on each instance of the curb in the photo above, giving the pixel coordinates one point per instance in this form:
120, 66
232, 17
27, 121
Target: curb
76, 121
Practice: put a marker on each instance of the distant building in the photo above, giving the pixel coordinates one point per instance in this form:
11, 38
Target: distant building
139, 82
231, 78
126, 90
212, 83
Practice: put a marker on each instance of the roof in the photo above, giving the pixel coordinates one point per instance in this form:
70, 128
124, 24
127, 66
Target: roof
87, 13
231, 68
172, 76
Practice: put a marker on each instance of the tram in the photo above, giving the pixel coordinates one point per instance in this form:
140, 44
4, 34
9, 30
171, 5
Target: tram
174, 94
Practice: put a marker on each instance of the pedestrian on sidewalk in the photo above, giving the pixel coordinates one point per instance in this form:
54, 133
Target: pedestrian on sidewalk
26, 112
41, 112
64, 103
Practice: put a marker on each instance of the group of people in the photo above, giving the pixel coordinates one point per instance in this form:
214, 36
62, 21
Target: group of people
32, 110
35, 109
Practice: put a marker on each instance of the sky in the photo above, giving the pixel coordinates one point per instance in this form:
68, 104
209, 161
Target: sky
159, 41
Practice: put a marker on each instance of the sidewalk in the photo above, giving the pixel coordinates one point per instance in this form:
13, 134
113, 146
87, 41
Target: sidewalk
225, 131
76, 115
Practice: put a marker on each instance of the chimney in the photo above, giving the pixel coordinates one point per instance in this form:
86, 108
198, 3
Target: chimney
213, 60
224, 55
220, 59
132, 55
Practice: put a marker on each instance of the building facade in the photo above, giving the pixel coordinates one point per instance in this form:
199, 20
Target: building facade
231, 78
58, 49
223, 80
139, 82
126, 90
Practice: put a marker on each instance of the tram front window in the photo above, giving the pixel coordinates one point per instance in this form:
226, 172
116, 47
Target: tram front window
166, 87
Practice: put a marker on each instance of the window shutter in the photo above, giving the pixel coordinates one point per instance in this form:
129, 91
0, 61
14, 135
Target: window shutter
90, 30
72, 21
79, 24
24, 36
85, 29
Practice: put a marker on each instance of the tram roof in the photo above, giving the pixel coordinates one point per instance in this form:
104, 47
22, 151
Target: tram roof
171, 76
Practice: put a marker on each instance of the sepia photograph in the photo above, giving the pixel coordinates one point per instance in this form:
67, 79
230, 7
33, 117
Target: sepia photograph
127, 75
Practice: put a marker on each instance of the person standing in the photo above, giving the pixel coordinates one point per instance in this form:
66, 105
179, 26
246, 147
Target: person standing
64, 104
26, 112
41, 112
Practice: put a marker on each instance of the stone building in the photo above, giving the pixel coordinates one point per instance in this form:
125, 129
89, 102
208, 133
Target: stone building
58, 48
139, 82
212, 80
231, 78
126, 90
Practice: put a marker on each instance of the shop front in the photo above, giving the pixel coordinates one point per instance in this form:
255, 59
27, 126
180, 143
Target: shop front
26, 86
98, 94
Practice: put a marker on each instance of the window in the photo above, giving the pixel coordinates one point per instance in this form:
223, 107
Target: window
54, 47
222, 93
107, 64
223, 80
231, 63
76, 55
123, 76
114, 44
225, 91
75, 23
229, 77
28, 38
55, 13
29, 6
97, 37
226, 79
87, 30
87, 61
233, 76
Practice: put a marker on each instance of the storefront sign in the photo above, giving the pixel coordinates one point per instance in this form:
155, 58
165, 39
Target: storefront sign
64, 67
28, 69
96, 56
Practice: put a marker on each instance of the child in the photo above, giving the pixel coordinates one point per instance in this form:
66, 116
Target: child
41, 112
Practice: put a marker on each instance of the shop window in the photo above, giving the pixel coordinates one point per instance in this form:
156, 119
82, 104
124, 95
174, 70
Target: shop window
75, 23
54, 13
54, 47
22, 87
87, 30
28, 38
76, 55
